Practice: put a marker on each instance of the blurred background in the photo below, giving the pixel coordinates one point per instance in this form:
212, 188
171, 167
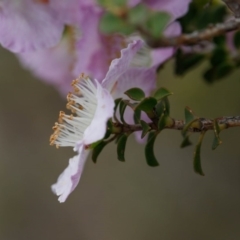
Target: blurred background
115, 200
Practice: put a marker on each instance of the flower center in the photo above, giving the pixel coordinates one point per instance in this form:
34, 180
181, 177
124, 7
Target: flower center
83, 103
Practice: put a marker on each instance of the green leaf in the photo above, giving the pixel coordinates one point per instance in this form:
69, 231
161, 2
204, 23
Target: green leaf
112, 3
138, 15
189, 120
186, 142
110, 23
185, 62
149, 150
136, 94
236, 39
161, 93
147, 104
156, 23
216, 141
219, 55
137, 116
97, 150
223, 70
162, 122
121, 145
163, 107
145, 128
122, 108
197, 156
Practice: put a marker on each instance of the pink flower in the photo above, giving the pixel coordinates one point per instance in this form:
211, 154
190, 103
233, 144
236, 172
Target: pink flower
92, 103
27, 25
93, 106
53, 65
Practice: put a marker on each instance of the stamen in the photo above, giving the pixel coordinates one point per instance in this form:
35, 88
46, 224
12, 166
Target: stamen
70, 128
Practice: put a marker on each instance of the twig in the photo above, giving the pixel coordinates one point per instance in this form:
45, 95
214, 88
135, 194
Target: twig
197, 36
200, 125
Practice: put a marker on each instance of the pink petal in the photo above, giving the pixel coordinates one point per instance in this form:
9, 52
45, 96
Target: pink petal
69, 178
160, 55
52, 65
144, 78
91, 58
121, 65
176, 8
28, 25
105, 104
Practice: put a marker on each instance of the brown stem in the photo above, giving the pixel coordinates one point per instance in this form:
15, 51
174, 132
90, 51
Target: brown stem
200, 125
197, 36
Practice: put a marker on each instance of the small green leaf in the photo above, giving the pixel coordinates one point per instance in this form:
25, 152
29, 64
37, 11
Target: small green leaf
136, 94
236, 39
216, 141
219, 55
121, 145
149, 151
223, 70
138, 14
137, 116
110, 23
186, 142
163, 107
185, 62
197, 156
189, 120
122, 108
97, 150
145, 128
147, 104
162, 122
161, 93
157, 22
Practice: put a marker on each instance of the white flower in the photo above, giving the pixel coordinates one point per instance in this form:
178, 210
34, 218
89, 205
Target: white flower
92, 106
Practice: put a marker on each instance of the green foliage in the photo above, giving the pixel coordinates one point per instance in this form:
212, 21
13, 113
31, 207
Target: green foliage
197, 156
135, 94
97, 150
147, 104
156, 23
149, 150
145, 128
122, 108
216, 141
236, 39
162, 93
185, 62
111, 23
121, 145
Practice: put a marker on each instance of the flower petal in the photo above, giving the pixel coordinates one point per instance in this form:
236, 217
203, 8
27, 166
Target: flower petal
160, 55
28, 25
175, 7
144, 78
121, 65
69, 178
105, 104
52, 65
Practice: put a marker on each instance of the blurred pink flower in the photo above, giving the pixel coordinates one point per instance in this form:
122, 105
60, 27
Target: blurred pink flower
28, 25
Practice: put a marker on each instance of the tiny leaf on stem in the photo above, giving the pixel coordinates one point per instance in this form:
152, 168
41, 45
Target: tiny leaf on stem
145, 128
197, 156
121, 145
97, 150
161, 93
136, 94
149, 150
